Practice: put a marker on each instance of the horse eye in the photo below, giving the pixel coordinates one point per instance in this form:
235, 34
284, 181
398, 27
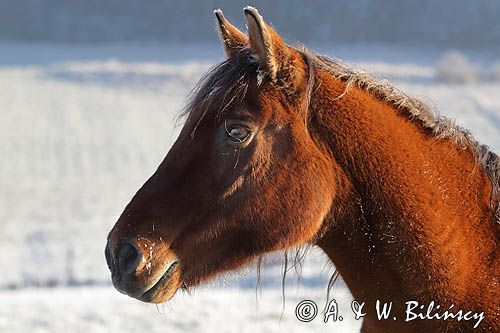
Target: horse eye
238, 133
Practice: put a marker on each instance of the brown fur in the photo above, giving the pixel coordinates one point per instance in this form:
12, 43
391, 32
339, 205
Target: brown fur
404, 203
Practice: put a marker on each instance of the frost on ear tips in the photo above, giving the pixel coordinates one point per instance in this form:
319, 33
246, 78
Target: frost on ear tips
218, 13
251, 10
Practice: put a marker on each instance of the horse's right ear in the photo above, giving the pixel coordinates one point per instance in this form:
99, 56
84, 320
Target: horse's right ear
232, 39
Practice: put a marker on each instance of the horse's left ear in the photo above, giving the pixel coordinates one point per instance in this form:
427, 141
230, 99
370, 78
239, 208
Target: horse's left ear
266, 44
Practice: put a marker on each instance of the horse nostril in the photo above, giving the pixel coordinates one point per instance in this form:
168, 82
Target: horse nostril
128, 258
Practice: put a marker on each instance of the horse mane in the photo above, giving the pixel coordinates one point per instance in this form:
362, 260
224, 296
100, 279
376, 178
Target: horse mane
228, 82
438, 125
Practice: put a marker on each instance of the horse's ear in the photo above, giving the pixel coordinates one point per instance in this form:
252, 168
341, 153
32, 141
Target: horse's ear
265, 43
231, 37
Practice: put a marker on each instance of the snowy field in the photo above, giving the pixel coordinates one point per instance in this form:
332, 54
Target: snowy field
82, 127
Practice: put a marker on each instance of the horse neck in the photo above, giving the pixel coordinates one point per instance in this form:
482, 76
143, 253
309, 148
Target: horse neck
412, 211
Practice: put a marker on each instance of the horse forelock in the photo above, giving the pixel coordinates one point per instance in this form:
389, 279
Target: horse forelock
223, 85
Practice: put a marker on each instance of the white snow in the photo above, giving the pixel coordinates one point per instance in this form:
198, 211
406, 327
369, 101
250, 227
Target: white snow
82, 127
101, 309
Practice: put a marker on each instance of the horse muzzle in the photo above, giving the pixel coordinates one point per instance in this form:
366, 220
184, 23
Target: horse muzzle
143, 269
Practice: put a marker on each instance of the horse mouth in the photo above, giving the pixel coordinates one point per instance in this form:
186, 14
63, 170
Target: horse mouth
165, 287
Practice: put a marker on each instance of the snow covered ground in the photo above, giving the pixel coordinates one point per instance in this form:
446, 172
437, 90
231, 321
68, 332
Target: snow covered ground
100, 309
82, 127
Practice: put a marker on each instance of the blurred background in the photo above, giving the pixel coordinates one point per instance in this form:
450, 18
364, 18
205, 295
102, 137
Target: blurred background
89, 91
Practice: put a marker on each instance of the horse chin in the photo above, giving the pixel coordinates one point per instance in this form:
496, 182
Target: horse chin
165, 288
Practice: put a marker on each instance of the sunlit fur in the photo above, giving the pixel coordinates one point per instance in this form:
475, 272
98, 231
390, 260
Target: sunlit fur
229, 81
404, 202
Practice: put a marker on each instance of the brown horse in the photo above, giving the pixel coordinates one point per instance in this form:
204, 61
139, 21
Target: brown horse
282, 147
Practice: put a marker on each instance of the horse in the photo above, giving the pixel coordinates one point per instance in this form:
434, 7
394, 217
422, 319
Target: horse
282, 148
